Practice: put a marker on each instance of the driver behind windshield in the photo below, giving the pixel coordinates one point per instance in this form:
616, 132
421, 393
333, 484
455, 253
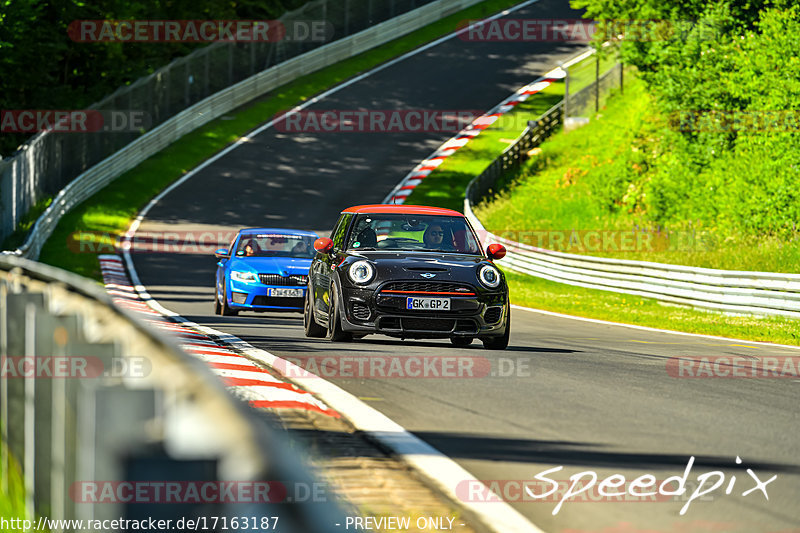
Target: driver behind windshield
434, 238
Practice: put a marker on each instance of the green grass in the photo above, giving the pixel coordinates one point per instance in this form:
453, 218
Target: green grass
17, 237
554, 194
112, 209
12, 503
444, 186
539, 293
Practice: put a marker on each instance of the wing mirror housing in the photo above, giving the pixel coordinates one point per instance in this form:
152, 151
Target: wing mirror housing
323, 245
496, 251
222, 253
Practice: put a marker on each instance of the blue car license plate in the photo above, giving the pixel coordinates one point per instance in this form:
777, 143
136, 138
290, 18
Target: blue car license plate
285, 293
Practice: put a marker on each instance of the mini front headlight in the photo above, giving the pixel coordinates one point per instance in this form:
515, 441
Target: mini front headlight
361, 272
489, 276
243, 276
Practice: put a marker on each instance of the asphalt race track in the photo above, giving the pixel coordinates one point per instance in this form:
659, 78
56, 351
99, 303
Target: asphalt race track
582, 395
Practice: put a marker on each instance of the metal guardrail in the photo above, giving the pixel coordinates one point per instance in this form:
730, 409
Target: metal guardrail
127, 405
25, 179
761, 293
512, 157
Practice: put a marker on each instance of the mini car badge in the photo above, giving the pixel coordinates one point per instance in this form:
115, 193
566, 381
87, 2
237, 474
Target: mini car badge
428, 275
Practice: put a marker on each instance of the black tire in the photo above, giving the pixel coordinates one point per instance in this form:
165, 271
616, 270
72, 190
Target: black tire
217, 305
226, 310
335, 332
462, 341
501, 342
310, 325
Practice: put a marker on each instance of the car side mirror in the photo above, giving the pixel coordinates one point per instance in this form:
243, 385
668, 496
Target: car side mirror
496, 251
222, 253
323, 245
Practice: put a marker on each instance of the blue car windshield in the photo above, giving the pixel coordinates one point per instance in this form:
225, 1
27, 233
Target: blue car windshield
433, 233
276, 245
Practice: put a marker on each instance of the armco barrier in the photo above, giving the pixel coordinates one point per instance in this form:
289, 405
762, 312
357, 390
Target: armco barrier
100, 175
762, 293
169, 419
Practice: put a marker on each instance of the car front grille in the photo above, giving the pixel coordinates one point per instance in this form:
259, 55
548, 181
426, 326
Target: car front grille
360, 311
278, 302
492, 315
296, 280
445, 288
427, 324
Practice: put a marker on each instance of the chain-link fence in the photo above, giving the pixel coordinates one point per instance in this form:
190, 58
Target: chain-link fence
50, 160
590, 99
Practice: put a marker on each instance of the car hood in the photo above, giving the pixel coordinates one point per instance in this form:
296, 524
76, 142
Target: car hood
412, 266
285, 266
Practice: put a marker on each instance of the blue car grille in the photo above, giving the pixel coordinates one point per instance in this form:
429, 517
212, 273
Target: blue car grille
297, 280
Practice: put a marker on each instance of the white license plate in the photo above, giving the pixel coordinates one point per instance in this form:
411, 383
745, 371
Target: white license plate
428, 304
285, 293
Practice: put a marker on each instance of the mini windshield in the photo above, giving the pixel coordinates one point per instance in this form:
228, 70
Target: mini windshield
433, 233
275, 245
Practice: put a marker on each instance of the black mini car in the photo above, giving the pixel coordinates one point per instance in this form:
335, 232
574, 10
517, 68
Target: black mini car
408, 272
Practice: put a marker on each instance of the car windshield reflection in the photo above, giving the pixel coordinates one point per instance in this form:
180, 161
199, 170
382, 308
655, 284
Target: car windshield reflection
398, 232
274, 245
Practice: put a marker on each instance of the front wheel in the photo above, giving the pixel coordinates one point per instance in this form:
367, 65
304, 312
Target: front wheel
226, 310
501, 342
335, 331
217, 305
310, 325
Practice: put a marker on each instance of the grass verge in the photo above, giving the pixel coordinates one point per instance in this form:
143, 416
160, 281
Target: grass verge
557, 192
12, 503
112, 209
444, 186
540, 293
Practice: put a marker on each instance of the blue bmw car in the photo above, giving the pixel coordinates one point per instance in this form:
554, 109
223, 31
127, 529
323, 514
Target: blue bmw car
265, 269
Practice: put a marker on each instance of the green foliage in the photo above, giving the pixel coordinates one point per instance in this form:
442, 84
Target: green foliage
41, 68
697, 145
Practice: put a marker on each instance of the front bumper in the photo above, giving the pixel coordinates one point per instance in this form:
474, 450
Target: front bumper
368, 311
255, 297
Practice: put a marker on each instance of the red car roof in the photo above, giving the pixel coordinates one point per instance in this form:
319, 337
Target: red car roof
402, 209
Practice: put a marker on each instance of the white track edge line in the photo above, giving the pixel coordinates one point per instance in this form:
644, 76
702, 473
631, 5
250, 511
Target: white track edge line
499, 517
647, 328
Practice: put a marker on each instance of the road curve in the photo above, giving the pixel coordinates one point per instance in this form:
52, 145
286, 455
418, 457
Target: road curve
583, 395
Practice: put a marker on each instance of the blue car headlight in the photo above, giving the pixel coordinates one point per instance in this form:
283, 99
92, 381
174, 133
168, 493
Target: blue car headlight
247, 277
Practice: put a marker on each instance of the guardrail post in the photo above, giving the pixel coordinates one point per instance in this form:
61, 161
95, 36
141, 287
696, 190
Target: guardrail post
4, 464
597, 82
29, 412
